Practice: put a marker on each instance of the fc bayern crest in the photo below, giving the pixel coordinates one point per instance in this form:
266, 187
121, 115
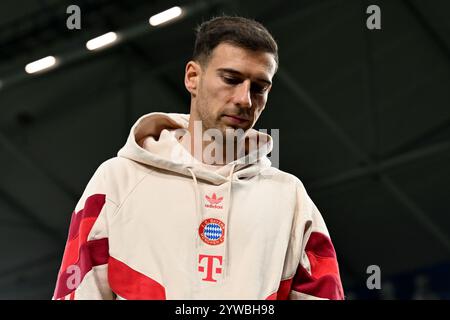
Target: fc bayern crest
212, 231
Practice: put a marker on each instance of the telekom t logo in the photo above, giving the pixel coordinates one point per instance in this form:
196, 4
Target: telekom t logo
209, 266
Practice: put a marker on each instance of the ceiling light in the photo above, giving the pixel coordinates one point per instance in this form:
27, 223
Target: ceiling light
101, 41
165, 16
40, 64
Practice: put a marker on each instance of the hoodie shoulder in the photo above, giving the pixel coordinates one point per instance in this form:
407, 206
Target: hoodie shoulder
289, 182
121, 176
278, 175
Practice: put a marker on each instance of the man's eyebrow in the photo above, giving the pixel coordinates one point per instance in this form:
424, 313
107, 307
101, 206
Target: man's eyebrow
238, 73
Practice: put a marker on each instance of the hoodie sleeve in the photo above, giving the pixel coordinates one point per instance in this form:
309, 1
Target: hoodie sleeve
317, 275
84, 269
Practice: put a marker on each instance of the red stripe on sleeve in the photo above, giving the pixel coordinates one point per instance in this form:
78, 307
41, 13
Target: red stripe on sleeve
80, 255
131, 284
324, 279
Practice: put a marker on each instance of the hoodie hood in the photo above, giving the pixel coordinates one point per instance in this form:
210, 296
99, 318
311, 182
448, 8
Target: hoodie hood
152, 141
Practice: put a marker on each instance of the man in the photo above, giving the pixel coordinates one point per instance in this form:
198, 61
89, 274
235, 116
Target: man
164, 221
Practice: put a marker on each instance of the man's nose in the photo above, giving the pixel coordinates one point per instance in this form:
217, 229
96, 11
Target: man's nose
242, 95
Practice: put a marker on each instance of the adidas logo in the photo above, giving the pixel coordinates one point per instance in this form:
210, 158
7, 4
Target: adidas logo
213, 202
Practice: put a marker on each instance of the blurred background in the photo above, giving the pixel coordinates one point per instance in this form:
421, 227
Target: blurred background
364, 120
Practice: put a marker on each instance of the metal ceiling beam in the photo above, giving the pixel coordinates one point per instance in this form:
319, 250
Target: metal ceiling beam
431, 31
377, 168
307, 101
416, 211
421, 139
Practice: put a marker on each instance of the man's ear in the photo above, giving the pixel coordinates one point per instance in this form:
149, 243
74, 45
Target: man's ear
192, 77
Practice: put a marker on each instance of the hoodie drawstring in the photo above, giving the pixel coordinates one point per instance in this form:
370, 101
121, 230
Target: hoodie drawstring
230, 182
198, 210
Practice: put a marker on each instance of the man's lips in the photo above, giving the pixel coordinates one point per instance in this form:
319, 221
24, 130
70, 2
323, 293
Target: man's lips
236, 119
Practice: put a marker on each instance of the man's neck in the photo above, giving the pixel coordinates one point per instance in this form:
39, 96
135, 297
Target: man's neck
204, 148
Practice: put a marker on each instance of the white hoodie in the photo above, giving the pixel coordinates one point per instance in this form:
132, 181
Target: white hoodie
151, 225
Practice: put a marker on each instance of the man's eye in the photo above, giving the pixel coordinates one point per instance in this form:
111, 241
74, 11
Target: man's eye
259, 89
229, 80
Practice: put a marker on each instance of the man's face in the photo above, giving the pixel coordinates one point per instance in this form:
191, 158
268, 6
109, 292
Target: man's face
231, 90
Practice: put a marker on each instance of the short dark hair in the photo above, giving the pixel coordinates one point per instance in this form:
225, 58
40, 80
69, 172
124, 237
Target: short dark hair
242, 32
